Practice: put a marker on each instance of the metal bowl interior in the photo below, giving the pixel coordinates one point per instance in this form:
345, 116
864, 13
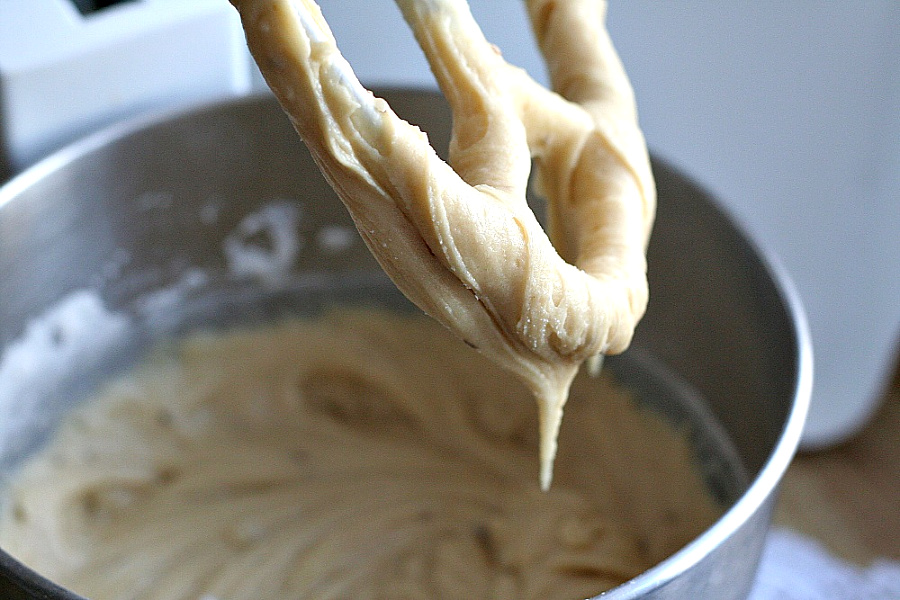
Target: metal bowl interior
138, 215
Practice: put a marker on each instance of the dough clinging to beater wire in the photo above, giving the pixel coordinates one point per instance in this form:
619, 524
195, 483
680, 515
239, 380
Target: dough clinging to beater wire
458, 239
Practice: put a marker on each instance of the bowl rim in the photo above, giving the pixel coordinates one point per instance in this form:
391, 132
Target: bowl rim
764, 485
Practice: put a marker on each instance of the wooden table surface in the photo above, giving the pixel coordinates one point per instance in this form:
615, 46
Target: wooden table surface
849, 497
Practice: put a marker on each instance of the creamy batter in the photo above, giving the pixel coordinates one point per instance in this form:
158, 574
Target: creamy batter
359, 455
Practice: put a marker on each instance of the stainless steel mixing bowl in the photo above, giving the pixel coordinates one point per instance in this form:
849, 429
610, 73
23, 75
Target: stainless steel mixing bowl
138, 214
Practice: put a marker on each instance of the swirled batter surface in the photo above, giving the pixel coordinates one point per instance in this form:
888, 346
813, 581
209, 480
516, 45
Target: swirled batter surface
358, 455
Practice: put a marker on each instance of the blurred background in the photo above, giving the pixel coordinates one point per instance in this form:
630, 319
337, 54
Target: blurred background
788, 111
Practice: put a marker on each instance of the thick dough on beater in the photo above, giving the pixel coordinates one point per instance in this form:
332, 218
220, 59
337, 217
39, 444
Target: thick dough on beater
461, 241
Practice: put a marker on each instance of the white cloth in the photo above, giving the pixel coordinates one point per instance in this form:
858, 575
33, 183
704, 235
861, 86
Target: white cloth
795, 567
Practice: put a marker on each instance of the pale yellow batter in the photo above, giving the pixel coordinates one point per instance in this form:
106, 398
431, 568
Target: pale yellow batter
360, 455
